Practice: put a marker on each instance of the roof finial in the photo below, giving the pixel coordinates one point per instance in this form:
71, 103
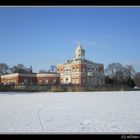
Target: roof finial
79, 44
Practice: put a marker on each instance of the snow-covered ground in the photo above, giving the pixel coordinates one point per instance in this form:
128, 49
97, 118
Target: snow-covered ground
86, 112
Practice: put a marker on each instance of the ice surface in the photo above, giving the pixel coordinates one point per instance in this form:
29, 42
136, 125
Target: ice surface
85, 112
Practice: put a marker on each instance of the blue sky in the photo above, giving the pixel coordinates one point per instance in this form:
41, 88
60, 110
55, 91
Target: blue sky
43, 36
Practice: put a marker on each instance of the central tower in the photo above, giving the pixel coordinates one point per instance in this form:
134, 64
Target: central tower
79, 52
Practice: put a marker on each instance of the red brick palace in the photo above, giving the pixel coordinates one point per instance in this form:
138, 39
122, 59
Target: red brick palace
81, 71
76, 71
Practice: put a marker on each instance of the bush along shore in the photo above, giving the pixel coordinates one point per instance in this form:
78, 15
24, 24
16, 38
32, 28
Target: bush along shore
63, 88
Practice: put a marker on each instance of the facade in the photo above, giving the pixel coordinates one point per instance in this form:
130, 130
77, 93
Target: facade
81, 71
18, 79
48, 78
30, 79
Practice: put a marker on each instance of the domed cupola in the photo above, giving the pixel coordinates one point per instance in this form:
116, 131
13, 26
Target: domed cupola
79, 52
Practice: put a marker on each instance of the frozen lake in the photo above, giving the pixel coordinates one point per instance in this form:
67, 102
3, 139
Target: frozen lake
85, 112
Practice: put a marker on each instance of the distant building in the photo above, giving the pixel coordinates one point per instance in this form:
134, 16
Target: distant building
18, 79
81, 71
30, 79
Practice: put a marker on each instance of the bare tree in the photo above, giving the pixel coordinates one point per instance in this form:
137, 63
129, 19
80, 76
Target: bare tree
137, 79
20, 68
4, 68
117, 74
129, 71
52, 68
113, 69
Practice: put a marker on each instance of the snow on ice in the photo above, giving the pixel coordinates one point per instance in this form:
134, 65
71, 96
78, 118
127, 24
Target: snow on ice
78, 112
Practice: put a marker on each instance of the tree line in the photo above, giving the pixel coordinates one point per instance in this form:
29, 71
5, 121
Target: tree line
116, 74
20, 68
120, 75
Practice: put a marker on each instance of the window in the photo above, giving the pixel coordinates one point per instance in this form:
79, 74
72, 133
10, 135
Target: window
54, 81
76, 68
47, 81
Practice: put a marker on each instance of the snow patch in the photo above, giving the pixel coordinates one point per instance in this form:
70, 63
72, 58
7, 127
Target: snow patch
103, 112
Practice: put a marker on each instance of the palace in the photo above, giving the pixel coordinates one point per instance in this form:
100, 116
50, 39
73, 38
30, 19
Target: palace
76, 71
81, 71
